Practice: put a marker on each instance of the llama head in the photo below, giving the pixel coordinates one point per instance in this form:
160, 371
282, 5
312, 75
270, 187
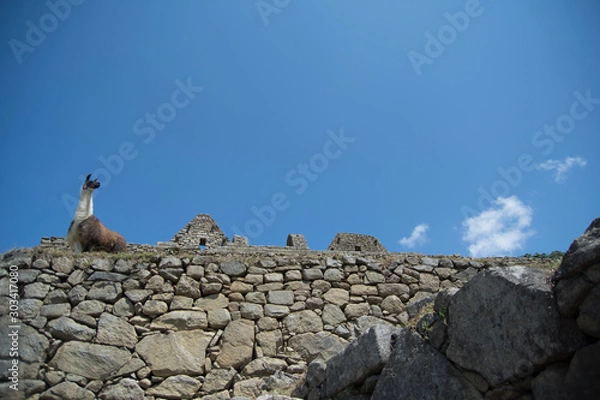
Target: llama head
90, 184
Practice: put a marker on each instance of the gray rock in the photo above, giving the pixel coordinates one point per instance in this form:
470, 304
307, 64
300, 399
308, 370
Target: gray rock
67, 390
354, 311
63, 265
570, 292
170, 262
115, 331
90, 307
89, 360
212, 302
29, 308
233, 268
311, 346
107, 276
133, 365
77, 294
315, 374
176, 387
303, 322
589, 315
218, 319
333, 315
389, 289
154, 308
65, 328
264, 366
123, 308
281, 297
138, 295
76, 277
392, 304
583, 378
517, 323
126, 389
124, 266
256, 298
549, 384
367, 355
465, 275
51, 311
248, 389
442, 301
251, 311
28, 275
176, 353
108, 292
275, 311
156, 283
56, 297
180, 320
218, 380
312, 274
237, 344
36, 290
269, 342
102, 264
418, 371
583, 252
211, 288
333, 275
188, 286
337, 296
33, 346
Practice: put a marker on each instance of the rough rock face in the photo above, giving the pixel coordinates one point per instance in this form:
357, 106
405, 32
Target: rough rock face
416, 370
510, 315
93, 361
176, 353
367, 355
583, 252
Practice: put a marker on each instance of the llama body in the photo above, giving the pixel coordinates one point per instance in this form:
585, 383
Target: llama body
86, 232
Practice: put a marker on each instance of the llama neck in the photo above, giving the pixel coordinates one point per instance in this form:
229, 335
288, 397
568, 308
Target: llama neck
86, 205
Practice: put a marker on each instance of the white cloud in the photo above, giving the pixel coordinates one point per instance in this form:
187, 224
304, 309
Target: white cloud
417, 237
499, 230
561, 167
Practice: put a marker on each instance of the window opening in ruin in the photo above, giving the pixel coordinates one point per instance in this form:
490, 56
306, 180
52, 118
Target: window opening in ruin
357, 248
203, 243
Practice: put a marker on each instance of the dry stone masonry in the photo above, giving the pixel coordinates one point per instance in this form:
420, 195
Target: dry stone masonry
178, 322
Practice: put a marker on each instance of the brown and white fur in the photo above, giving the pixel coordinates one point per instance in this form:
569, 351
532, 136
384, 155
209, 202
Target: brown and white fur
86, 232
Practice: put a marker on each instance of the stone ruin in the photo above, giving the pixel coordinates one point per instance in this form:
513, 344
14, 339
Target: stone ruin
203, 232
356, 242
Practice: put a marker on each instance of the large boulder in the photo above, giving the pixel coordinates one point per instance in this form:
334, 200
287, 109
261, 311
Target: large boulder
416, 370
89, 360
237, 344
323, 345
176, 353
505, 324
583, 252
362, 358
583, 378
116, 331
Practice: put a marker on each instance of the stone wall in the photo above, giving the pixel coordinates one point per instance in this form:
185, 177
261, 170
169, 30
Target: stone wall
509, 333
204, 324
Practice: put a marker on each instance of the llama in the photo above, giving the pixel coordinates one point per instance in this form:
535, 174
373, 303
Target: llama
86, 232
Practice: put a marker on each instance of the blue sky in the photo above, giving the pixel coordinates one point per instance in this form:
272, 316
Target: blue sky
456, 127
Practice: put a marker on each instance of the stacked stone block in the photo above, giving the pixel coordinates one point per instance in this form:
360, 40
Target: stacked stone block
201, 326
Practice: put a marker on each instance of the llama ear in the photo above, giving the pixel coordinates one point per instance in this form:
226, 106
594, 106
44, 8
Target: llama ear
87, 178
